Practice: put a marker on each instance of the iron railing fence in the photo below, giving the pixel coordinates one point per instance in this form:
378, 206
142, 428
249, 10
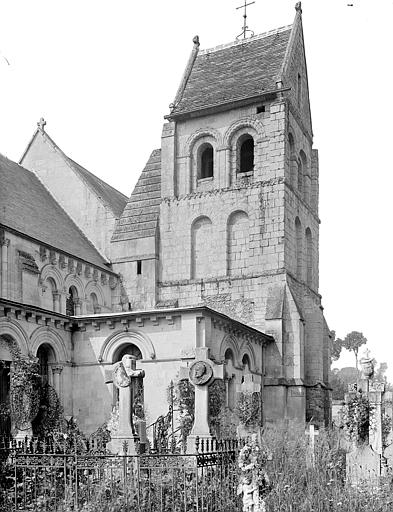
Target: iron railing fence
45, 477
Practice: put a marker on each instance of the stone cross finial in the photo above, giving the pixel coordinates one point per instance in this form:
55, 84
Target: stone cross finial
41, 124
298, 7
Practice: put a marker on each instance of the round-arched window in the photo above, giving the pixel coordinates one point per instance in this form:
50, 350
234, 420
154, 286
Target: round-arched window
70, 301
246, 154
206, 163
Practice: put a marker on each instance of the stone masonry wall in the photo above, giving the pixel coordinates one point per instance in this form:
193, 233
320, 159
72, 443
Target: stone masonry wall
38, 275
95, 219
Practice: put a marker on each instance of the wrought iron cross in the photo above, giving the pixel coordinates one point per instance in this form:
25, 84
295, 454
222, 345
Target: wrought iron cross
245, 27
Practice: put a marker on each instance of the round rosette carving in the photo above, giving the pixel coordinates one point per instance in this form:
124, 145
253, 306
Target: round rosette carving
200, 373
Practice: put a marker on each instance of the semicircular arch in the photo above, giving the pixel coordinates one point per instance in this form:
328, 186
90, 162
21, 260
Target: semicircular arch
119, 338
49, 336
200, 218
208, 133
229, 342
51, 272
10, 328
242, 126
73, 280
93, 287
249, 351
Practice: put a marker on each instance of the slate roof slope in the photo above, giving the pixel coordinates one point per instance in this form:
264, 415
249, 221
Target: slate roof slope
140, 216
240, 70
28, 207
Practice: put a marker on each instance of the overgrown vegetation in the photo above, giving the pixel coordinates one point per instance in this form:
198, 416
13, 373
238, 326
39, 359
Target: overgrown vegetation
300, 486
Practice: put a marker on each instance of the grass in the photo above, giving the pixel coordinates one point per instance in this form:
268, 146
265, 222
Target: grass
303, 485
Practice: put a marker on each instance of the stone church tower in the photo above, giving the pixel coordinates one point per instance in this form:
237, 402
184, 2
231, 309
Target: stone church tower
225, 214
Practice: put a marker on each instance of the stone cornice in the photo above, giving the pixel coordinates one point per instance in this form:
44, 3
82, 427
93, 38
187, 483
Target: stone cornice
138, 319
48, 252
34, 315
217, 191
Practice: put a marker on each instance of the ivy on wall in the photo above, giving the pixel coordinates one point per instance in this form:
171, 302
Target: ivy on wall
31, 403
248, 408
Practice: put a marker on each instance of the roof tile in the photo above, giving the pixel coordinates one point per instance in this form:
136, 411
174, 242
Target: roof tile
241, 70
140, 216
28, 207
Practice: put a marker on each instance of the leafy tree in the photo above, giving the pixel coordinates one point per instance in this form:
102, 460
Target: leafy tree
339, 380
336, 346
353, 341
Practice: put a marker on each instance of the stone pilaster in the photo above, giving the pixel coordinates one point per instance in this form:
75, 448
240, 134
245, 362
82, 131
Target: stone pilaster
4, 267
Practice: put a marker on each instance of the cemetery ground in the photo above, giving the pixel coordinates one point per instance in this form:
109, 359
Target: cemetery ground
299, 481
285, 466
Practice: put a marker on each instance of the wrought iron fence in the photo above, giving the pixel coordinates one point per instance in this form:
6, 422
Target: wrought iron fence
50, 477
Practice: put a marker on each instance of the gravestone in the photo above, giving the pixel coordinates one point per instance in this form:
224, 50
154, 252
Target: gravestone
202, 373
250, 385
364, 463
124, 377
363, 466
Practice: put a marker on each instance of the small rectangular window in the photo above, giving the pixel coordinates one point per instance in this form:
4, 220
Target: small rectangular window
261, 109
139, 267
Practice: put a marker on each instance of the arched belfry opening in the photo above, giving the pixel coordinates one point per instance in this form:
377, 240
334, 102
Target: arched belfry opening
246, 146
206, 163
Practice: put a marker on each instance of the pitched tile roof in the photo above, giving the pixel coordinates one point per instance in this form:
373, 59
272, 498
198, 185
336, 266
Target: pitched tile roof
240, 70
28, 207
140, 216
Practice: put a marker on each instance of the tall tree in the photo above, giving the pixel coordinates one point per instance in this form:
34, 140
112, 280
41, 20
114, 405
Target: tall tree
353, 341
336, 346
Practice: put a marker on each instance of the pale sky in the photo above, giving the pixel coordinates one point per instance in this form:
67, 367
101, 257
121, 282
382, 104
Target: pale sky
103, 74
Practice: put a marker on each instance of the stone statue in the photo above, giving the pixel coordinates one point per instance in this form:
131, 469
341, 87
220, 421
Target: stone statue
254, 481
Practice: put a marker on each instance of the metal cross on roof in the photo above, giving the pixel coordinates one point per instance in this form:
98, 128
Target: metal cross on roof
245, 27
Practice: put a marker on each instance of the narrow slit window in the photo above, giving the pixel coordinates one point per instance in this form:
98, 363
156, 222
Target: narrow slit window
139, 267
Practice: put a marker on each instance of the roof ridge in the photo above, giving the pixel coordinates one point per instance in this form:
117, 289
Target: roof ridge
72, 163
70, 218
96, 177
240, 42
